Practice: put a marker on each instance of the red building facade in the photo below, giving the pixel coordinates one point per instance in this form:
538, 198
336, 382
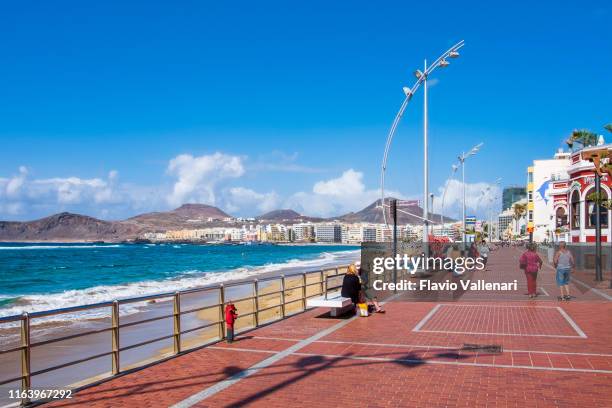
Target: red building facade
574, 210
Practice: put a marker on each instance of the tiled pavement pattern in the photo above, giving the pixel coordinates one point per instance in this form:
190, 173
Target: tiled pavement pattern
410, 356
496, 319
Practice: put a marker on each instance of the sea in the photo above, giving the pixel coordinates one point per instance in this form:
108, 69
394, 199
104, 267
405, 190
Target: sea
36, 277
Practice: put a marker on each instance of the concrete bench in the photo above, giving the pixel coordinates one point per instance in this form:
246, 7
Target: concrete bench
337, 304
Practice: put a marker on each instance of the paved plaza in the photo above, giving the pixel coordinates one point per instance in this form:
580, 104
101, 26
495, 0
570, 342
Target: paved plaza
418, 354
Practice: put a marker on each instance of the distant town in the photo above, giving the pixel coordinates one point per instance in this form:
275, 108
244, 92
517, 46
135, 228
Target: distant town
307, 232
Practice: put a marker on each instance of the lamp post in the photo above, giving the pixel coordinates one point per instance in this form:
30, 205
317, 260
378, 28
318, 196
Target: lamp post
425, 161
462, 157
485, 195
454, 169
598, 274
422, 76
491, 212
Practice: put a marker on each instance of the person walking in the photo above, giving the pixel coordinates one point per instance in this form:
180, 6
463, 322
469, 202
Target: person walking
530, 262
564, 263
484, 251
473, 251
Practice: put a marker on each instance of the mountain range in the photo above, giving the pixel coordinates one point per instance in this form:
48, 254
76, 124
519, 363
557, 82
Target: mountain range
68, 227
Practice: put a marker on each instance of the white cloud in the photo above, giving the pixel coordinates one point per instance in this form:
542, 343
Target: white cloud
348, 184
205, 179
244, 200
14, 184
19, 193
71, 190
336, 196
198, 176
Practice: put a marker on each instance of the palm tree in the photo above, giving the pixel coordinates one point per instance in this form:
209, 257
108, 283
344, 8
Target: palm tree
519, 212
584, 137
608, 127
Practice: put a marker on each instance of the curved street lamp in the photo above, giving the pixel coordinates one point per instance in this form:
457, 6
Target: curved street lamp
454, 169
485, 194
421, 76
462, 158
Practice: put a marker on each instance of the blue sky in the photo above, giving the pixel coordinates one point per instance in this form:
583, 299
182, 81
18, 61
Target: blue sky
114, 108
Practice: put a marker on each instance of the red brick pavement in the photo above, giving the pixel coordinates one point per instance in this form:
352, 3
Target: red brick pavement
398, 359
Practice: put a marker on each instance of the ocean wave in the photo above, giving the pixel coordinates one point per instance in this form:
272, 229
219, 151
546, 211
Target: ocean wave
186, 280
59, 247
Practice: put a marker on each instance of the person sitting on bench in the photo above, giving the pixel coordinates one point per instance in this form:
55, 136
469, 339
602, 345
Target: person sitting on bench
351, 285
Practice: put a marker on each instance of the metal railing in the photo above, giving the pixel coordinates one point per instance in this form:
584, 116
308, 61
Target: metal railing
311, 284
329, 288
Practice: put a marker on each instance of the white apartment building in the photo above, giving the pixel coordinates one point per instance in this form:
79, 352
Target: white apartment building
303, 231
541, 179
357, 233
508, 226
328, 232
446, 230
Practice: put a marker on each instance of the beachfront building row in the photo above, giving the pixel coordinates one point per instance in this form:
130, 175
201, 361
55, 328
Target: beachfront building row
325, 232
560, 203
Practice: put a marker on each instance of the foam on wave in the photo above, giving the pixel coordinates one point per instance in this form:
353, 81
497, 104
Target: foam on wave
188, 279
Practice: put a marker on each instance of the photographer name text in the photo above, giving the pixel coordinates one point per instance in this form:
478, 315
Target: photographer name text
447, 285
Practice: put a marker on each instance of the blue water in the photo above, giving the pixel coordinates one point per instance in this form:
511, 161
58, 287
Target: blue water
48, 276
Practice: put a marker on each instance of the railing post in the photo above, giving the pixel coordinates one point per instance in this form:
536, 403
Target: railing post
326, 277
282, 296
256, 301
221, 312
177, 322
115, 337
26, 379
321, 280
304, 291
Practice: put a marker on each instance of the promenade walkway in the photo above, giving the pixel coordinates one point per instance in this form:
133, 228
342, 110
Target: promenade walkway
554, 354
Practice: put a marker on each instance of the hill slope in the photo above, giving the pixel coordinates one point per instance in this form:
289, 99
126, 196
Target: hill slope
373, 214
186, 216
66, 227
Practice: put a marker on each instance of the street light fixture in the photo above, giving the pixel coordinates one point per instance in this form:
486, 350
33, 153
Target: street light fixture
485, 195
454, 169
462, 159
421, 79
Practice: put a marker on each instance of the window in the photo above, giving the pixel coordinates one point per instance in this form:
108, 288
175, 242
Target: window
561, 217
575, 210
591, 216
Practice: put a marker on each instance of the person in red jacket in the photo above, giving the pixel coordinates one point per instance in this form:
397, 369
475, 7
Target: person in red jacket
230, 317
531, 263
